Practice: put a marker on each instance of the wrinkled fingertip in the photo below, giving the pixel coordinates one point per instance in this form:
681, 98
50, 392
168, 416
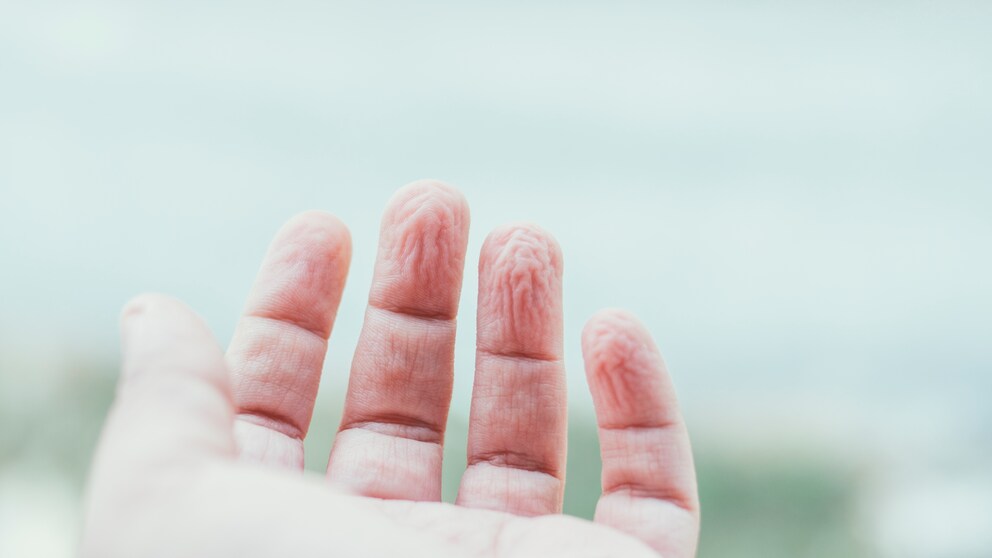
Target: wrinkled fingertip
429, 186
611, 325
613, 317
520, 292
615, 340
431, 197
522, 239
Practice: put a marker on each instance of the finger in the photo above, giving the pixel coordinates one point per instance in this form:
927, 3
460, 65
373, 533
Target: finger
277, 353
649, 482
173, 402
517, 430
389, 442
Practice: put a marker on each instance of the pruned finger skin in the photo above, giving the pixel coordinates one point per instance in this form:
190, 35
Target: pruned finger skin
517, 427
389, 444
649, 483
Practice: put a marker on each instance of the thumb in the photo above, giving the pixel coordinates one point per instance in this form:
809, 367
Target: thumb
173, 399
172, 413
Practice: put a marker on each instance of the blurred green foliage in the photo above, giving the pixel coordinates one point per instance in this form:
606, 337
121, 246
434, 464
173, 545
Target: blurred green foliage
753, 506
775, 507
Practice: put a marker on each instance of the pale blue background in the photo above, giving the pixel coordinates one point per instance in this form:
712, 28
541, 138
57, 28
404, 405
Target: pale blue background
794, 196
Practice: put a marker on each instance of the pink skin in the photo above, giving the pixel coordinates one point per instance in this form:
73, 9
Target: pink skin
389, 442
516, 443
202, 452
278, 349
649, 481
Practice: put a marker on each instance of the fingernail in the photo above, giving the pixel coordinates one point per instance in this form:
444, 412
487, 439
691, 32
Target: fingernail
131, 318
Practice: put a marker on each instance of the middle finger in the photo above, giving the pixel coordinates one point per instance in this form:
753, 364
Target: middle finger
389, 444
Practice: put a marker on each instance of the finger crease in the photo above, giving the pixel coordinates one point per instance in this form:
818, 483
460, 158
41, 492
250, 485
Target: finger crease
663, 425
399, 426
272, 421
519, 356
412, 312
319, 333
673, 496
513, 460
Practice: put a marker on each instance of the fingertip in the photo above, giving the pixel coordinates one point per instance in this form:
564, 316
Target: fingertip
144, 304
304, 272
316, 218
520, 291
133, 310
621, 358
158, 326
615, 330
423, 239
615, 318
173, 396
139, 303
318, 232
510, 238
164, 309
430, 186
431, 198
426, 221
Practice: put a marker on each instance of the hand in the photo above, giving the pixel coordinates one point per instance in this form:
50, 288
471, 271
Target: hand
202, 453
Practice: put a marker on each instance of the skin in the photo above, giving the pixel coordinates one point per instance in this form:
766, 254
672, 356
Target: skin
202, 454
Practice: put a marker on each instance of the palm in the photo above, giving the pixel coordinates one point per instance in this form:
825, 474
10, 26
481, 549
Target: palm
206, 444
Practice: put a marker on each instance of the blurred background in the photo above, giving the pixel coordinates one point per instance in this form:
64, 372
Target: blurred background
795, 196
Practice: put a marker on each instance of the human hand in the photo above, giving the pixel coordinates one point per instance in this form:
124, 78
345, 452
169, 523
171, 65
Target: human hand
202, 453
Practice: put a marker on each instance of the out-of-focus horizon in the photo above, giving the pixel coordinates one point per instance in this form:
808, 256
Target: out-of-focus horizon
794, 198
